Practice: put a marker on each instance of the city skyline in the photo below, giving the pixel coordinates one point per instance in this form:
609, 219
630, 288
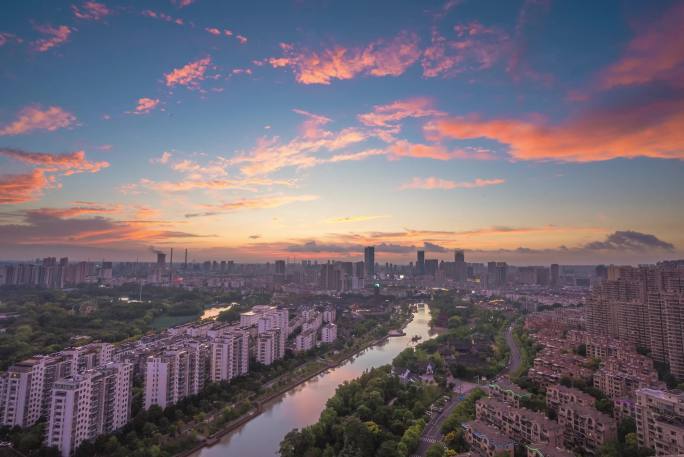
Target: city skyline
533, 132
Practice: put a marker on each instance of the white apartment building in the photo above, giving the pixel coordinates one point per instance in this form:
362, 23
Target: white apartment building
329, 333
86, 405
175, 374
269, 347
305, 341
329, 315
21, 397
229, 356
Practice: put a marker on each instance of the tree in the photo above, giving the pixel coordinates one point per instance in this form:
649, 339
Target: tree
436, 450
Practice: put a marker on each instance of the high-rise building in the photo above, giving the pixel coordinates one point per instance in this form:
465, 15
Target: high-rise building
329, 333
369, 262
420, 263
161, 260
87, 405
659, 418
280, 267
460, 266
229, 355
175, 374
555, 275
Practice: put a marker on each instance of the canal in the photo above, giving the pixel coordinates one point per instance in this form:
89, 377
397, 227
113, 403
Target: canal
302, 405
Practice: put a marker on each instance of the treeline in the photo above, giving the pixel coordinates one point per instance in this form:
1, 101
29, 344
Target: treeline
373, 416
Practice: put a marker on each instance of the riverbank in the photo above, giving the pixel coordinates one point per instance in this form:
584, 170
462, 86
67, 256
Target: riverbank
262, 403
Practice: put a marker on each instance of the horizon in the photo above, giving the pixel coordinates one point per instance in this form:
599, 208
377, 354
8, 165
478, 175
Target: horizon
251, 133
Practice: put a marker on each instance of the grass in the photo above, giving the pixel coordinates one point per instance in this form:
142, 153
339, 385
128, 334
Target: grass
163, 322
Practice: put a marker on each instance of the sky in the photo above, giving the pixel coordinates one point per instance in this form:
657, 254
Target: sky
527, 131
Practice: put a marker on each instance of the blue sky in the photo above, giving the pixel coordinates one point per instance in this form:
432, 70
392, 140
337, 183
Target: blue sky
251, 130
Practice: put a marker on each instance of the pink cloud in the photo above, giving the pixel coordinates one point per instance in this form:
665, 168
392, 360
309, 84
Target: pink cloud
388, 115
646, 129
241, 38
164, 159
91, 11
311, 127
162, 16
8, 37
184, 3
379, 58
145, 105
213, 30
67, 164
56, 36
22, 188
35, 117
656, 53
476, 47
189, 75
437, 183
265, 202
403, 148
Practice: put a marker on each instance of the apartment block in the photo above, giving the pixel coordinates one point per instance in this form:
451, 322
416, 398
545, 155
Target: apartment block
269, 347
305, 341
558, 395
660, 421
486, 440
86, 405
544, 450
521, 424
174, 375
229, 356
585, 427
329, 333
508, 392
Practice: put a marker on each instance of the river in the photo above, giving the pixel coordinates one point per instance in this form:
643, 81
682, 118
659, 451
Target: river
302, 405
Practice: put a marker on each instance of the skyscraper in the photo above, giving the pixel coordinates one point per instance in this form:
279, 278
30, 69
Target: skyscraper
555, 275
460, 269
420, 263
369, 262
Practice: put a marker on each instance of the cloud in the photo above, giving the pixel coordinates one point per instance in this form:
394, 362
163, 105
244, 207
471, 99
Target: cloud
530, 12
249, 184
432, 247
213, 30
265, 202
476, 47
22, 188
655, 54
56, 36
163, 159
9, 37
189, 75
437, 183
241, 38
145, 105
34, 117
163, 17
311, 127
86, 208
254, 237
184, 3
352, 219
403, 148
630, 240
46, 228
389, 116
66, 164
91, 11
636, 128
379, 58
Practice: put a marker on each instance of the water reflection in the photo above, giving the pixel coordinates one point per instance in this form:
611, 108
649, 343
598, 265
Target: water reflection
302, 405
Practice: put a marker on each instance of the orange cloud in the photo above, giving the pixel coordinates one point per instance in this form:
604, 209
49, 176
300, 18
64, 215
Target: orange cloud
403, 148
36, 118
145, 105
189, 75
379, 58
91, 11
164, 159
437, 183
22, 188
351, 219
656, 53
86, 208
311, 127
266, 202
56, 36
648, 129
67, 164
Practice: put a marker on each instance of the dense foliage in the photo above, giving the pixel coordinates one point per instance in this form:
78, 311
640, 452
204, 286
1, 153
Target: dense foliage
374, 415
43, 321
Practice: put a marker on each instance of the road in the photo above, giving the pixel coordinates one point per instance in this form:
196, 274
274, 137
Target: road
514, 361
433, 430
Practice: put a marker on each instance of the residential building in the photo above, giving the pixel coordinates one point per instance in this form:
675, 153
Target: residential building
305, 341
660, 421
329, 333
586, 427
486, 440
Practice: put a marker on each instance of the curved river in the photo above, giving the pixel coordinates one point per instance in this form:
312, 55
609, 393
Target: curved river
302, 405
